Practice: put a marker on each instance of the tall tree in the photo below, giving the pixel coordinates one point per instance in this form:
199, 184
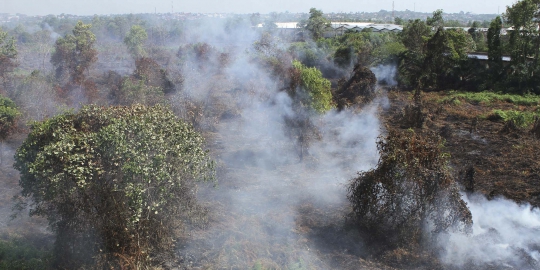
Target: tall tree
316, 24
8, 117
414, 36
74, 54
134, 41
495, 49
437, 20
522, 16
524, 43
8, 56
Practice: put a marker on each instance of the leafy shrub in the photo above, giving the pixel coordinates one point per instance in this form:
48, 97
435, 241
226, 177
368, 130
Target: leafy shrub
116, 184
316, 86
8, 115
489, 97
19, 254
520, 119
410, 195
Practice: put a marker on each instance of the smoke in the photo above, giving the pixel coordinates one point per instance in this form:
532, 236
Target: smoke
386, 74
53, 35
505, 234
268, 191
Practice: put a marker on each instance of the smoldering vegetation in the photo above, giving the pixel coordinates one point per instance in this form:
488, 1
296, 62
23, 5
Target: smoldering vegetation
283, 170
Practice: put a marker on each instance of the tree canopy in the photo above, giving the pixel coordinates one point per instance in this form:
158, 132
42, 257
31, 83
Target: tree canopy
8, 115
8, 55
117, 180
316, 24
134, 41
316, 87
74, 54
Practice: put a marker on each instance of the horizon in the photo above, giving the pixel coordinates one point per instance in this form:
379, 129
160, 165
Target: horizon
118, 7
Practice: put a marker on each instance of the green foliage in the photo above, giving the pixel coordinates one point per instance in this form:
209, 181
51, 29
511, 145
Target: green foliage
316, 86
523, 46
8, 116
389, 52
74, 54
134, 41
410, 188
415, 35
520, 119
522, 17
117, 180
134, 91
8, 55
459, 44
486, 98
8, 48
309, 53
445, 53
19, 254
316, 24
437, 20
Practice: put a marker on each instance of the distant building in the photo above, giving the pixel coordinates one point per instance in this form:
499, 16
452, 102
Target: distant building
340, 28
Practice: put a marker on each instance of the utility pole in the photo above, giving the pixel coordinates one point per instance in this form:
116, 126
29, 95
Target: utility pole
172, 7
393, 16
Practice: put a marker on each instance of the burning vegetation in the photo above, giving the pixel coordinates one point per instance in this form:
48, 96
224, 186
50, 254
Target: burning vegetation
118, 126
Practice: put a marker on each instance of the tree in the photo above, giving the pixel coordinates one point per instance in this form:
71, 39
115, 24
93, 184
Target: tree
445, 52
317, 23
477, 36
317, 88
522, 16
495, 50
8, 56
414, 37
437, 20
524, 43
8, 116
116, 184
409, 195
134, 41
494, 41
74, 54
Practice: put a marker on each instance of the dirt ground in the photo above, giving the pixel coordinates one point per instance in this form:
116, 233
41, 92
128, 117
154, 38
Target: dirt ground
484, 156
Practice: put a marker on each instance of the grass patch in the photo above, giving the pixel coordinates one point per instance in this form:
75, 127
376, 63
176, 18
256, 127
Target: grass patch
486, 98
521, 119
20, 254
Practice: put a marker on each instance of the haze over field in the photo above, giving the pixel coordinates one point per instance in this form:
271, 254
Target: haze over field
330, 148
32, 7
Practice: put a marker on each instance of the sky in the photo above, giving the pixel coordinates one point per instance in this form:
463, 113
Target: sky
101, 7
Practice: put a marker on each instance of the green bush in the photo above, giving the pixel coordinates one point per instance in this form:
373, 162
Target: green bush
316, 86
521, 119
116, 184
19, 254
8, 116
487, 98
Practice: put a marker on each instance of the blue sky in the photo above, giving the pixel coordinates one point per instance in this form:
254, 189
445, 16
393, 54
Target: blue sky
90, 7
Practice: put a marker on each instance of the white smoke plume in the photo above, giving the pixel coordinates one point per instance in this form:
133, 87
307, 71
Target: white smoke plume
505, 236
266, 191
